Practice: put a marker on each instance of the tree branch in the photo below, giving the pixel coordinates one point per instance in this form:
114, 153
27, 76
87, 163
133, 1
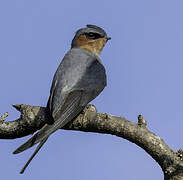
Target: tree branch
33, 118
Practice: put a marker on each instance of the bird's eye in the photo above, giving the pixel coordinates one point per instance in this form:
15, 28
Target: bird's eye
92, 35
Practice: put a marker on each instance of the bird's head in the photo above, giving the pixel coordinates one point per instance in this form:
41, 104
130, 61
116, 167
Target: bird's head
92, 38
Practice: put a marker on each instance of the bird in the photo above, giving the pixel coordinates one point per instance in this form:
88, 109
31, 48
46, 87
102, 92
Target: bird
79, 79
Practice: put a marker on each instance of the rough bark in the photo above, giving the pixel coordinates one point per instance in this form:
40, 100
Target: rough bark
33, 118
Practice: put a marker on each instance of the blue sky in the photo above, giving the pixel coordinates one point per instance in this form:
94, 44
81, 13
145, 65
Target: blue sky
144, 63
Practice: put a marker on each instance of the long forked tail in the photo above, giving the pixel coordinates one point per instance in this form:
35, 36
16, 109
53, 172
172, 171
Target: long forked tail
70, 109
35, 152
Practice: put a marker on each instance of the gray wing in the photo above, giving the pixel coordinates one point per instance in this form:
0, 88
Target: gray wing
79, 71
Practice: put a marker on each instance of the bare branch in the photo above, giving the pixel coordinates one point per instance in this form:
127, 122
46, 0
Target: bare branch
4, 116
33, 118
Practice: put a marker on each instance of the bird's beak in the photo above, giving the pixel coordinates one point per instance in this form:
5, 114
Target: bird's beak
108, 38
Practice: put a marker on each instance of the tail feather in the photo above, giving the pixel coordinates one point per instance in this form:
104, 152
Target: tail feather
68, 113
35, 152
70, 109
31, 142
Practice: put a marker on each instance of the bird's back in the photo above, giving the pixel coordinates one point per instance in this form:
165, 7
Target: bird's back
79, 70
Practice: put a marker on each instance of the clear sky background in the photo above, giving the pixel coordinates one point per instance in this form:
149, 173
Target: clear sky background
144, 63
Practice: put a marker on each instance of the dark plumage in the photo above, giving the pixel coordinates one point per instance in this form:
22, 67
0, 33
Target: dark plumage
78, 80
